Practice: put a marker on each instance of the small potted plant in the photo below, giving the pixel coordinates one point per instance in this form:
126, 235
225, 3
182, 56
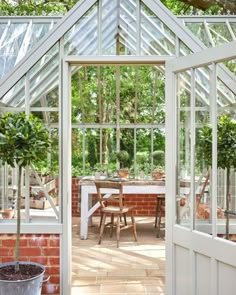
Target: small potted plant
159, 161
7, 213
158, 173
123, 157
23, 141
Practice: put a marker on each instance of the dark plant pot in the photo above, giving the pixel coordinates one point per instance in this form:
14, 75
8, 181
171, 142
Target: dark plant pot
32, 286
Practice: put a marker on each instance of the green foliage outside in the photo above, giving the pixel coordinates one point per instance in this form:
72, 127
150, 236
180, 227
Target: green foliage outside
50, 7
226, 151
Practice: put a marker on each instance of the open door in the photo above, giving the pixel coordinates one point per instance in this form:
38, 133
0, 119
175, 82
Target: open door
200, 260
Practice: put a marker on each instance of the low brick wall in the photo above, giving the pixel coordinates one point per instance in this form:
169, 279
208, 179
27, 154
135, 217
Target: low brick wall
145, 205
39, 248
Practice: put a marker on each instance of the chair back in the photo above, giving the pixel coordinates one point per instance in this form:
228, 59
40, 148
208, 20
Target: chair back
116, 188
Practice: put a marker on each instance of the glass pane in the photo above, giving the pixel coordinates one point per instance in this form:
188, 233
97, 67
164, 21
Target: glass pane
128, 93
202, 87
127, 143
184, 151
82, 38
202, 186
198, 29
16, 96
156, 37
77, 152
17, 39
119, 31
233, 26
184, 50
143, 153
220, 33
11, 45
107, 78
128, 27
151, 101
44, 76
94, 95
226, 155
158, 155
92, 151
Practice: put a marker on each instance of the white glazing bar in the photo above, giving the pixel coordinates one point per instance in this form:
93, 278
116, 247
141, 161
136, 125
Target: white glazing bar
60, 135
170, 164
100, 146
27, 170
25, 43
135, 152
208, 33
192, 151
65, 249
84, 148
214, 119
118, 109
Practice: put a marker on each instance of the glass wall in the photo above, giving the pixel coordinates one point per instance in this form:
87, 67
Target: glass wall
206, 120
117, 108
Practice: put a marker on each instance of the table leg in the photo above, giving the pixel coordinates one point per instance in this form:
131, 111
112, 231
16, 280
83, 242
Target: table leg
84, 214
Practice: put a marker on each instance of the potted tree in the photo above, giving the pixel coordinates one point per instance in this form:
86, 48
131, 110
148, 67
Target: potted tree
23, 141
226, 152
123, 157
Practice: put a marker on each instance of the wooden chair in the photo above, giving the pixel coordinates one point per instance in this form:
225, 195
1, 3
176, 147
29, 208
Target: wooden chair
116, 210
160, 212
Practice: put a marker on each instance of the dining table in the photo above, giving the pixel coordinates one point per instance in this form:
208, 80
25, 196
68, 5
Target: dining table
130, 186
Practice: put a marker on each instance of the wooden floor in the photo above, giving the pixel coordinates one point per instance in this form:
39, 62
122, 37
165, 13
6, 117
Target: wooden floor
133, 268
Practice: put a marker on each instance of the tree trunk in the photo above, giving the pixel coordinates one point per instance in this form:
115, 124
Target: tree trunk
18, 203
227, 201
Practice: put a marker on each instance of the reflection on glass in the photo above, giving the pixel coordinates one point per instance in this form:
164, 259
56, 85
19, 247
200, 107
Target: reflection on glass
15, 97
220, 33
198, 29
184, 150
81, 39
156, 37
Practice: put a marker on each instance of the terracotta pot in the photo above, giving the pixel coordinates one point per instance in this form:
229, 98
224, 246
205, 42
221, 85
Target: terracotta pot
157, 174
7, 213
123, 173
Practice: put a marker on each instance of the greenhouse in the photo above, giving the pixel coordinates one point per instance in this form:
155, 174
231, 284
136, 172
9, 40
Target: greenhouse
115, 77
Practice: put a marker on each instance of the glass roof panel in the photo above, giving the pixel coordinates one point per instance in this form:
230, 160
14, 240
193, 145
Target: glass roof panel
233, 26
82, 38
220, 33
156, 37
15, 94
109, 27
198, 29
17, 38
116, 32
44, 75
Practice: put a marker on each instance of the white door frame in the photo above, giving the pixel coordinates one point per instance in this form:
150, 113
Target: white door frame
194, 243
65, 108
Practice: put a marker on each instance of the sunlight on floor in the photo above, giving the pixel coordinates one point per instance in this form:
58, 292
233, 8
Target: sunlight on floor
133, 268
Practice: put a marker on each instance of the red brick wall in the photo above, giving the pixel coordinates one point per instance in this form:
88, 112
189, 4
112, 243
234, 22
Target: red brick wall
75, 197
39, 248
145, 205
